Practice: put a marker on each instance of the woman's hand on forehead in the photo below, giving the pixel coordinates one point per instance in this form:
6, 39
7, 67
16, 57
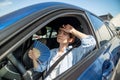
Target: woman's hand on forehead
67, 28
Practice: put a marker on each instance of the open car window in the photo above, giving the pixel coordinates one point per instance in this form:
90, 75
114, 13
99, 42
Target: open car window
47, 35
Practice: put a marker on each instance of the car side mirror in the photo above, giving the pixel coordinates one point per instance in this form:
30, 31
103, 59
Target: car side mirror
117, 28
118, 31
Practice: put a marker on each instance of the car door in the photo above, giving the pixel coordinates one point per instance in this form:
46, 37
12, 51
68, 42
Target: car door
19, 28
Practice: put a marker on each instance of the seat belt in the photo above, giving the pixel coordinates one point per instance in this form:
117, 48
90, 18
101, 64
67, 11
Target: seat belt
60, 59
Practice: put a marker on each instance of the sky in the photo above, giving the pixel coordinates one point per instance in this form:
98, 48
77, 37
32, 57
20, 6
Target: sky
98, 7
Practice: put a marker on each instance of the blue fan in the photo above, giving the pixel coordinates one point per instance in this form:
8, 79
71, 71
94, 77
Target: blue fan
44, 50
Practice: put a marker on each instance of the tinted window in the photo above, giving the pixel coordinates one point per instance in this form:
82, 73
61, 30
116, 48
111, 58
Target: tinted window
101, 30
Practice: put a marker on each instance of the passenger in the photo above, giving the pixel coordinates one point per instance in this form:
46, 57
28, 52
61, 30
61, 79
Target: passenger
66, 35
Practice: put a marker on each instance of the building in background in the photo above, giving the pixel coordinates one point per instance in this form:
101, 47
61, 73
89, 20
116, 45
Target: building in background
106, 17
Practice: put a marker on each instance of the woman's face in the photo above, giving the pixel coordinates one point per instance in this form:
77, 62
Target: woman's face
63, 37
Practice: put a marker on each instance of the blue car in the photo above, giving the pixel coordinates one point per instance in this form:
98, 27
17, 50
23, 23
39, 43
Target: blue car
19, 29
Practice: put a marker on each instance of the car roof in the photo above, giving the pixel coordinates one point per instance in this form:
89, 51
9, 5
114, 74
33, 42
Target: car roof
15, 16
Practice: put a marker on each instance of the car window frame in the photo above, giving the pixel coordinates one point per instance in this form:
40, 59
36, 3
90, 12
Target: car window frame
17, 41
99, 37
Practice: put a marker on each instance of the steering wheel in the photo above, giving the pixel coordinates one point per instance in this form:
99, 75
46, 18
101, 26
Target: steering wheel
19, 67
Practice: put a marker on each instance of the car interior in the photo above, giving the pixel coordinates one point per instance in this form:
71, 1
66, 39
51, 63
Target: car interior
47, 35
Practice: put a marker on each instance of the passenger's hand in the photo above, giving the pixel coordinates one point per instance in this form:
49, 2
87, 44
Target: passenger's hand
36, 37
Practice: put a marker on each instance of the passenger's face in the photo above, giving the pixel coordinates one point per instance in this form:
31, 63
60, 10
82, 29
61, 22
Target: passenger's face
63, 37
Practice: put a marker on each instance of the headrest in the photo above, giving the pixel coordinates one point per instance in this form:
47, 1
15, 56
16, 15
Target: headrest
42, 32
